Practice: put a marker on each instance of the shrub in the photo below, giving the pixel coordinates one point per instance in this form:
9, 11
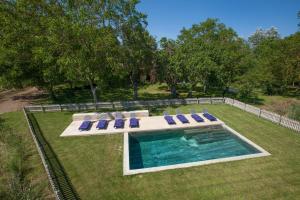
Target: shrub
294, 111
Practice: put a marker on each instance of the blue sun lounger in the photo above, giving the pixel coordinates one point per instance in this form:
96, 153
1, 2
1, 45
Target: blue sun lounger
196, 117
103, 122
209, 117
119, 122
85, 126
181, 117
133, 122
169, 119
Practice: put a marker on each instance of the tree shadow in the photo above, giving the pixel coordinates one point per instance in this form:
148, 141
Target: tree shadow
293, 92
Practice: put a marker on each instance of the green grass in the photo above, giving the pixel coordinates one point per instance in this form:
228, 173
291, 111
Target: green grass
36, 173
94, 164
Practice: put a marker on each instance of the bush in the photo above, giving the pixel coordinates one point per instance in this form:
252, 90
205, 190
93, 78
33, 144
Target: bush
294, 111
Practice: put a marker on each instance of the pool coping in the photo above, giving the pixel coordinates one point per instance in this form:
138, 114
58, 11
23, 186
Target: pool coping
128, 171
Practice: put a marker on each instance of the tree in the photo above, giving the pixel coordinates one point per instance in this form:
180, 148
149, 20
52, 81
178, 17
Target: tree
277, 60
261, 35
169, 72
292, 59
27, 56
210, 53
138, 46
46, 43
16, 41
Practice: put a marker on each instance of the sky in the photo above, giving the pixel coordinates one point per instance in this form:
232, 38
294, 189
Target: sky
167, 17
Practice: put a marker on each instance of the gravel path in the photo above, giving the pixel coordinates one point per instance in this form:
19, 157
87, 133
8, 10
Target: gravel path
14, 100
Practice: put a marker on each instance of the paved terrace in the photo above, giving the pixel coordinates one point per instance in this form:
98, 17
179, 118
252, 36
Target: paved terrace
146, 124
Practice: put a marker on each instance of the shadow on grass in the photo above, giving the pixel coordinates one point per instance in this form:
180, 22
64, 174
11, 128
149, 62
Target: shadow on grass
61, 180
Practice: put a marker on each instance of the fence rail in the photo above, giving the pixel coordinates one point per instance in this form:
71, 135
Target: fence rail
273, 117
284, 121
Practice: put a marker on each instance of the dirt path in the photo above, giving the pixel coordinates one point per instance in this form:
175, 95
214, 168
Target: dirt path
14, 100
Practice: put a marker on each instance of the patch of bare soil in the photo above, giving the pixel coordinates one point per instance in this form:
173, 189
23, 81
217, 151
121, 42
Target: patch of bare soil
14, 100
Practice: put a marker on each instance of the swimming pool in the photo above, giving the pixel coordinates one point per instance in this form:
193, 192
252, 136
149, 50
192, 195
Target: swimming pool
168, 149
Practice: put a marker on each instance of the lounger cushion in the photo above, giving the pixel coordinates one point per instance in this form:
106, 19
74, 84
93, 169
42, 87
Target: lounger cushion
182, 118
119, 123
85, 125
102, 124
134, 123
170, 119
209, 117
197, 118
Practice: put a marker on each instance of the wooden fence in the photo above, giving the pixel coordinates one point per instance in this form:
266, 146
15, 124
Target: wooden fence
281, 120
121, 104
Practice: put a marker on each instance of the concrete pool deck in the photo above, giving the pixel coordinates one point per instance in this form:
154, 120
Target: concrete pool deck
146, 124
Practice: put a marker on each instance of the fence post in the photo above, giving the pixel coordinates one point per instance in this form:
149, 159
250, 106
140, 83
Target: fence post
245, 106
43, 108
60, 107
211, 100
232, 102
259, 112
279, 119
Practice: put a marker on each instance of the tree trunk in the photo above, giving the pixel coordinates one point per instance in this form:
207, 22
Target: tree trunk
51, 92
70, 84
135, 90
93, 90
204, 88
173, 91
190, 93
224, 91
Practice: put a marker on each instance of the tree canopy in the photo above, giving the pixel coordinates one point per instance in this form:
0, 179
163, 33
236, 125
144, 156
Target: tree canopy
101, 44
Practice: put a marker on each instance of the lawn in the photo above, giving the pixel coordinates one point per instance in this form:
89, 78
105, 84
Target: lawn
36, 172
94, 164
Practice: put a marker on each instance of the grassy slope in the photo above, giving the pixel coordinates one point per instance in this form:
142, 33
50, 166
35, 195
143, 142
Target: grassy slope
17, 122
94, 164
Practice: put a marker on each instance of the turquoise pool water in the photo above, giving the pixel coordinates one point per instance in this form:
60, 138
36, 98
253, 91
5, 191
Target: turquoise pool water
162, 148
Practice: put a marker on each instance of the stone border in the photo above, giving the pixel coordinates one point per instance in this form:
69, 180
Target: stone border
127, 171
